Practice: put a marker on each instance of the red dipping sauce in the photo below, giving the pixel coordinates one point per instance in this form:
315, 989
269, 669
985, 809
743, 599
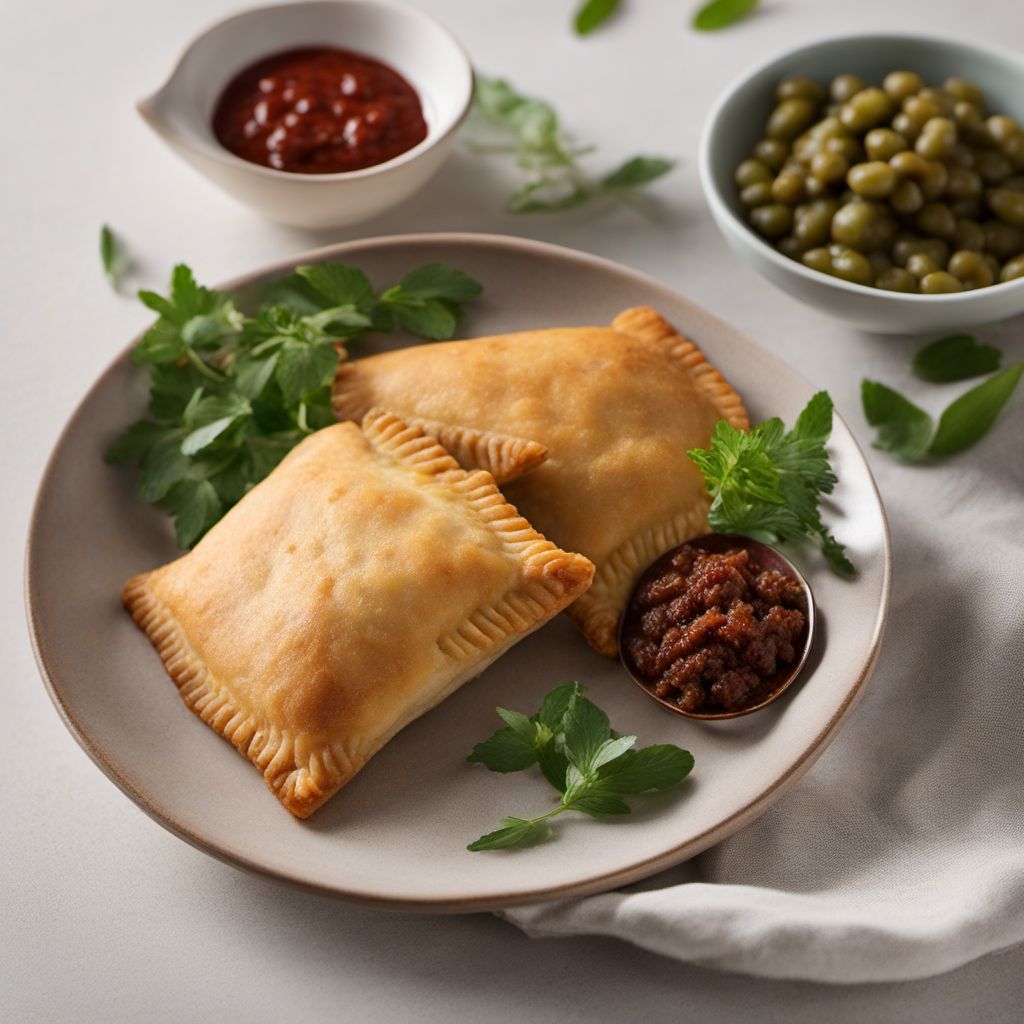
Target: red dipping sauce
318, 111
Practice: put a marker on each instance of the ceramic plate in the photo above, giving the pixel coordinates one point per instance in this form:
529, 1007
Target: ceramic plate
396, 836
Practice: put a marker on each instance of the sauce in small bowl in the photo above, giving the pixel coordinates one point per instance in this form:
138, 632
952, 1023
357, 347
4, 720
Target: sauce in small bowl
718, 627
319, 111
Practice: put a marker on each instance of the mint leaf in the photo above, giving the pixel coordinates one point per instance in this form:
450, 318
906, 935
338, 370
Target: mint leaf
110, 255
553, 763
162, 467
957, 357
517, 832
639, 170
594, 13
505, 751
656, 767
967, 420
586, 729
339, 284
609, 751
556, 703
599, 805
429, 319
722, 13
439, 281
904, 429
518, 723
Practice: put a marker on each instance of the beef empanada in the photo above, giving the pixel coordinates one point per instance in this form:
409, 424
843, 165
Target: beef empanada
616, 408
361, 583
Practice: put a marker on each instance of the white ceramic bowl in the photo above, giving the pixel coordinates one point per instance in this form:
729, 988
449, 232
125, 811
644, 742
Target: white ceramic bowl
736, 121
417, 47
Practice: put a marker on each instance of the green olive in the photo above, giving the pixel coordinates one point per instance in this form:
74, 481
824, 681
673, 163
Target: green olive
906, 198
1007, 205
920, 110
791, 247
939, 282
901, 84
934, 248
936, 219
1013, 149
750, 172
872, 180
930, 175
993, 264
970, 123
919, 265
773, 153
758, 194
960, 156
968, 234
939, 98
844, 87
993, 166
790, 118
969, 208
818, 259
963, 91
845, 146
963, 183
884, 143
815, 187
1012, 269
1000, 128
863, 226
938, 138
813, 221
1001, 240
772, 220
970, 269
879, 261
789, 187
850, 265
896, 279
870, 107
799, 87
907, 126
829, 167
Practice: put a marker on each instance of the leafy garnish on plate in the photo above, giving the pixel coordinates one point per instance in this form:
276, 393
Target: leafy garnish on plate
904, 429
529, 130
767, 483
722, 13
594, 13
593, 769
958, 357
232, 393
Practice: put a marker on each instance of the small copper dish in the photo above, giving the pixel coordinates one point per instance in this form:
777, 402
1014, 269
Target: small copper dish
763, 557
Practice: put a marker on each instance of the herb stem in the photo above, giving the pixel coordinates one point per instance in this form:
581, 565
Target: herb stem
202, 366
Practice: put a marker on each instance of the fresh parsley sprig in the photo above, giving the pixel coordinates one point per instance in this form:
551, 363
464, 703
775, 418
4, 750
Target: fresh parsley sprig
909, 433
232, 393
530, 130
767, 483
593, 769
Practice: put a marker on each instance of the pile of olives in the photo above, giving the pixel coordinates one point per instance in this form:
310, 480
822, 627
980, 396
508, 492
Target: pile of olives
903, 187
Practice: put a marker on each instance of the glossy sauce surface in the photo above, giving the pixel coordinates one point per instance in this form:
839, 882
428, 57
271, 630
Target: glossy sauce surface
318, 111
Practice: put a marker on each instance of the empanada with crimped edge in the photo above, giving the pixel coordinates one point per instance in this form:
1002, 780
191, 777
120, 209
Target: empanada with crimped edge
616, 409
361, 583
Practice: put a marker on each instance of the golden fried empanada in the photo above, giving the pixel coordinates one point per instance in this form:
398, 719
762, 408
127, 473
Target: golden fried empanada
616, 408
361, 583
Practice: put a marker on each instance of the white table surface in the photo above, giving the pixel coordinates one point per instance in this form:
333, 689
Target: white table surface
104, 916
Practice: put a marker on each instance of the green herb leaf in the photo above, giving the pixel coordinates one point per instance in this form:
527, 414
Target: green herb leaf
904, 429
303, 368
517, 832
656, 767
529, 130
195, 506
767, 483
439, 281
430, 319
967, 420
162, 467
722, 13
110, 255
594, 13
505, 751
957, 357
572, 741
639, 170
339, 284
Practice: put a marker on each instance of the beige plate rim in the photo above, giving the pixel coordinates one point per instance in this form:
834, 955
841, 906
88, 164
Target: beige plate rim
588, 885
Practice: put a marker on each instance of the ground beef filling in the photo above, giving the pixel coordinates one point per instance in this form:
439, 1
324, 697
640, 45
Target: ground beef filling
710, 631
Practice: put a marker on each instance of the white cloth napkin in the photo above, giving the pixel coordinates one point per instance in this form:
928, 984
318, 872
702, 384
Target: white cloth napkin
901, 853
